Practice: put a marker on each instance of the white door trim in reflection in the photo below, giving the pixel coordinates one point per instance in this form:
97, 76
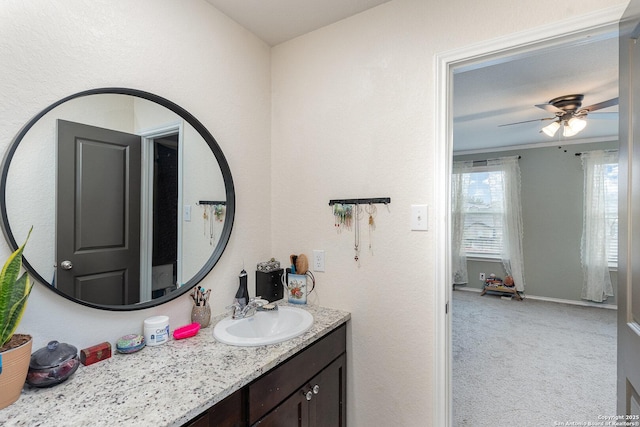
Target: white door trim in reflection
146, 212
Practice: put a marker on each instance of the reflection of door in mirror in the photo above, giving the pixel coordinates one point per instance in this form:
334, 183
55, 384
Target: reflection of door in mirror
102, 207
98, 214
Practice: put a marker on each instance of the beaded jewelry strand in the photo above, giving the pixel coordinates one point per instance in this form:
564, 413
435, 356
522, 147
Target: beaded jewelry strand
372, 211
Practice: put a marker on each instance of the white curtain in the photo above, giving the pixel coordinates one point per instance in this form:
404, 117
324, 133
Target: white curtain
594, 246
511, 253
459, 184
507, 186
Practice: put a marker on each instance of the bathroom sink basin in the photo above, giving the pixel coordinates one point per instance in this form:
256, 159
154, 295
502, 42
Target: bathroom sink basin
264, 327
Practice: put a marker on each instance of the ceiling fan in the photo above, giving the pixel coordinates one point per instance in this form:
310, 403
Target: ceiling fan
569, 113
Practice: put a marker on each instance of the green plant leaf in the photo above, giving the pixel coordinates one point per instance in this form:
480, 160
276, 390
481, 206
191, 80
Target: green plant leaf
13, 293
16, 311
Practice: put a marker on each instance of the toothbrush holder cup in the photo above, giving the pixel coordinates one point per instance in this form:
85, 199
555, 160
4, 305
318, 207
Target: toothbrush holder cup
201, 314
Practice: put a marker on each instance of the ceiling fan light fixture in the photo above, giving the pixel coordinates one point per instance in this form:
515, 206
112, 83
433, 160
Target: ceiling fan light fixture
576, 124
567, 131
551, 128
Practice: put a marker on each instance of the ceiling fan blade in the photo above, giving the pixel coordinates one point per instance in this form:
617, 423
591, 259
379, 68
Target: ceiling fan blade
601, 105
550, 108
528, 121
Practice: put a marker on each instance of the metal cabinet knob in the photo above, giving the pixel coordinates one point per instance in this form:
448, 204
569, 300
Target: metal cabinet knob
66, 265
311, 391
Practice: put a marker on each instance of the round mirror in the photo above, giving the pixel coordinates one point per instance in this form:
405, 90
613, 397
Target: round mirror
130, 198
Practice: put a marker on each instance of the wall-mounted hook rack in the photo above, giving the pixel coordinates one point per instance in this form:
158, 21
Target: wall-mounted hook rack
210, 202
369, 201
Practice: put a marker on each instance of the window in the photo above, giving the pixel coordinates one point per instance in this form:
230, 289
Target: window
483, 213
487, 216
611, 211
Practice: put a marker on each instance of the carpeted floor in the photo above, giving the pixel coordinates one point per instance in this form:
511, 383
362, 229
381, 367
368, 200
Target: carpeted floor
531, 363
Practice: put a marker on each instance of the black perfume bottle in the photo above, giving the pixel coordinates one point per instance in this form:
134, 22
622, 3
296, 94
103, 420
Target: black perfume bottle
242, 295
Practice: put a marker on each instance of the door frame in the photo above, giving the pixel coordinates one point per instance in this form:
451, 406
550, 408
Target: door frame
146, 218
574, 30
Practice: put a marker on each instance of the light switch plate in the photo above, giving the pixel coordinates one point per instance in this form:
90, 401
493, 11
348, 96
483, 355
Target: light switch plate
187, 213
419, 217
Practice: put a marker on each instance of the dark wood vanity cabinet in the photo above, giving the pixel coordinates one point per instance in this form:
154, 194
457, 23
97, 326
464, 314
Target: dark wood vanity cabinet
229, 412
308, 389
320, 402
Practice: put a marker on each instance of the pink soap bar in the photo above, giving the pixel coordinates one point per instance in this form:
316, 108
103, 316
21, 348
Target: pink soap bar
186, 331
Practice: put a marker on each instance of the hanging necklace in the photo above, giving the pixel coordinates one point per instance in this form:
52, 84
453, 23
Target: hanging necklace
212, 221
357, 232
204, 222
372, 211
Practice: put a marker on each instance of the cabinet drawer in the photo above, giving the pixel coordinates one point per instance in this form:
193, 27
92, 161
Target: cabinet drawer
279, 383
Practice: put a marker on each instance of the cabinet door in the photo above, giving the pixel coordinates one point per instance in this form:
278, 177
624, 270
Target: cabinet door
288, 378
229, 412
321, 402
226, 413
294, 411
328, 405
201, 421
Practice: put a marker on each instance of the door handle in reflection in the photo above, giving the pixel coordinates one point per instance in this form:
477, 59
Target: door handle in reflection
66, 265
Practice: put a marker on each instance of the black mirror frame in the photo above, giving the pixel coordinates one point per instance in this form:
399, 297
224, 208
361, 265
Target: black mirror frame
198, 126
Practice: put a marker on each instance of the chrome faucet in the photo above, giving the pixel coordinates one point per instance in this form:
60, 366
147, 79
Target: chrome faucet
240, 312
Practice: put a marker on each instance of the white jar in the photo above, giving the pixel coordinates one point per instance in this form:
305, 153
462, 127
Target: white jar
156, 330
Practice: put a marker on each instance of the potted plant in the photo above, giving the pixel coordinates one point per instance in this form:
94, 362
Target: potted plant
15, 349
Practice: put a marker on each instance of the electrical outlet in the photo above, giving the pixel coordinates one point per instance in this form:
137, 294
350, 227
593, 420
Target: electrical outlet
318, 260
482, 277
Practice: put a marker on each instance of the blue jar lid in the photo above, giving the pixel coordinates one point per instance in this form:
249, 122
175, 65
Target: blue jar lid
130, 343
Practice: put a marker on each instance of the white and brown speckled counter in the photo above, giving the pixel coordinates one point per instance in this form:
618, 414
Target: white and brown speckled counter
165, 385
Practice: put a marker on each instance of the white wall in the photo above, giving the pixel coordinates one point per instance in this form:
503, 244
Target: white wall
353, 116
185, 51
350, 114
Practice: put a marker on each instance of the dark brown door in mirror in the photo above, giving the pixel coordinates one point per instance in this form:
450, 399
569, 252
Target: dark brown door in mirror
98, 214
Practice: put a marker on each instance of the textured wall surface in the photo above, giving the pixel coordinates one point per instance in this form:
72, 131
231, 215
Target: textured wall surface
345, 111
187, 52
353, 116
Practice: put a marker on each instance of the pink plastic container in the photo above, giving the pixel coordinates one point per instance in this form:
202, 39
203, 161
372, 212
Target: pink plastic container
186, 331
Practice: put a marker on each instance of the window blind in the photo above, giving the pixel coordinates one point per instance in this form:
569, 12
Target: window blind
484, 216
611, 210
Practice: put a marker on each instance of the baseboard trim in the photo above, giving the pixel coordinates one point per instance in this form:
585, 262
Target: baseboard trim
556, 300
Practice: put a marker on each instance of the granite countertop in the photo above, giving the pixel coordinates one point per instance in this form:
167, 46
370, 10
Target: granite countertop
165, 385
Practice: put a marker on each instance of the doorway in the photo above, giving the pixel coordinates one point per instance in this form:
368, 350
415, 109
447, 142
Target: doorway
162, 177
164, 255
570, 31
